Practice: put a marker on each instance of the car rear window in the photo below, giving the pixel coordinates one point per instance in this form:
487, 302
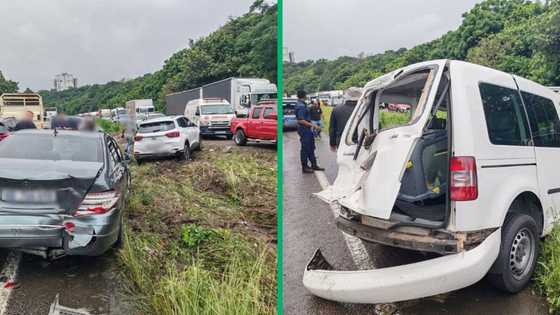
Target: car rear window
50, 147
156, 127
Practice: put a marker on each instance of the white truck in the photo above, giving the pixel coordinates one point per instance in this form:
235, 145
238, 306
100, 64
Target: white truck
141, 107
16, 104
241, 93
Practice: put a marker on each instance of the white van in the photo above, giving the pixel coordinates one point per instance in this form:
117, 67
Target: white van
469, 172
212, 115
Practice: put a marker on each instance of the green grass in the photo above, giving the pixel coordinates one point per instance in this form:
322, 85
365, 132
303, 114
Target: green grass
200, 235
548, 270
109, 126
388, 119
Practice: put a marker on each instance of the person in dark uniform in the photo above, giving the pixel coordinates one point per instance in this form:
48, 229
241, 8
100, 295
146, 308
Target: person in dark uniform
340, 116
316, 112
306, 138
26, 122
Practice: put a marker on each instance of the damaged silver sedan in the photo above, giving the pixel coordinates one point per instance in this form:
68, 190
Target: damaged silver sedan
61, 192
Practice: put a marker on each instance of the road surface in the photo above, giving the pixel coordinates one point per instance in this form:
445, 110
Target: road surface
309, 224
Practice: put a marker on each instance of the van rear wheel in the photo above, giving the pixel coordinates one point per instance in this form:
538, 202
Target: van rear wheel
519, 249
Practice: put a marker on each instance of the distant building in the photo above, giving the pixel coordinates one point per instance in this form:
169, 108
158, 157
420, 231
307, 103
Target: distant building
288, 56
65, 81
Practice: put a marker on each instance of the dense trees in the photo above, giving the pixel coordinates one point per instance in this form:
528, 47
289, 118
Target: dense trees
243, 46
7, 86
517, 36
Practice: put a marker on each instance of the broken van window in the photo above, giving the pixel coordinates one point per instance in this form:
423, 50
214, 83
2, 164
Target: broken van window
398, 104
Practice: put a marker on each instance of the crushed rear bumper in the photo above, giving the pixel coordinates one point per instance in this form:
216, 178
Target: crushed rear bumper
405, 282
44, 233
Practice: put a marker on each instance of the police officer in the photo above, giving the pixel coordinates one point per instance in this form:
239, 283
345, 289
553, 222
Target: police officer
340, 115
305, 132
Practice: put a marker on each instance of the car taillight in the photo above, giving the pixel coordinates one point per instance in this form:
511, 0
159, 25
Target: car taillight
173, 134
463, 186
98, 203
3, 136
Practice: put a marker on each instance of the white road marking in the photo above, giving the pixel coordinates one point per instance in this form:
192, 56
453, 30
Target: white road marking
357, 249
10, 272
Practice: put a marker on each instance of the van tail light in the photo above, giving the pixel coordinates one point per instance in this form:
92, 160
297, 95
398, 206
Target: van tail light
138, 138
98, 203
463, 182
173, 134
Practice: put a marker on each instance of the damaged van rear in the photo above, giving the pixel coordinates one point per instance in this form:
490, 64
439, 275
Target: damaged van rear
61, 192
469, 171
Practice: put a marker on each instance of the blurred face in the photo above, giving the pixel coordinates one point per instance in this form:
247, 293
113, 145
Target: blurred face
28, 116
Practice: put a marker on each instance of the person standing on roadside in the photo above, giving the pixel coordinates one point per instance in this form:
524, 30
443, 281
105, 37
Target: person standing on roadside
305, 132
26, 122
341, 114
315, 113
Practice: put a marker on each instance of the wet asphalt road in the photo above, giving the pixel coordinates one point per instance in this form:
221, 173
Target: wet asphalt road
309, 224
89, 283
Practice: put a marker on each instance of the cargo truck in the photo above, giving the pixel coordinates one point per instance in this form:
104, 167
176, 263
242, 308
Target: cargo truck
241, 93
16, 104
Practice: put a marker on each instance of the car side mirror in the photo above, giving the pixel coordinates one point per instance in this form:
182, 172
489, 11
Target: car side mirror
197, 114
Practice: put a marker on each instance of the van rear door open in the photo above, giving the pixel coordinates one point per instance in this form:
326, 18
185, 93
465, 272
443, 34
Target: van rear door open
362, 164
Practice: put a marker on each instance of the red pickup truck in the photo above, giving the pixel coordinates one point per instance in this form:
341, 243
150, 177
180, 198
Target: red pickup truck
260, 124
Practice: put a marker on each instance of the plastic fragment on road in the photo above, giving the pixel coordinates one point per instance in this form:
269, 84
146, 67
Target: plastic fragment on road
57, 309
11, 285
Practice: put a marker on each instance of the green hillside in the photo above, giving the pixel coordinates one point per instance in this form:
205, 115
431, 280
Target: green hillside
516, 36
243, 46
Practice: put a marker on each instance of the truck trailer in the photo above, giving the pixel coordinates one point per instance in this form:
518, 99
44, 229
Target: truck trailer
16, 104
241, 93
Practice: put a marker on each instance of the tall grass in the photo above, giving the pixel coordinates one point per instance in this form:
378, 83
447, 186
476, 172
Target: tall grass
548, 270
109, 126
241, 285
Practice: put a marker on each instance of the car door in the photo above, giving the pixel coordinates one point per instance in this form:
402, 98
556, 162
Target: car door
542, 110
371, 160
118, 169
254, 123
193, 131
269, 123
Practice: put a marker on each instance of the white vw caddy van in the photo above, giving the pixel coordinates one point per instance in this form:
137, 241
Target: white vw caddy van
470, 172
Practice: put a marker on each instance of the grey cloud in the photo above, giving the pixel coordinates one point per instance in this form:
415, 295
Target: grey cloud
331, 28
101, 40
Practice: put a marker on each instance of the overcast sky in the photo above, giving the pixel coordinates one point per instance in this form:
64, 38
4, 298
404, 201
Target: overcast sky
101, 40
330, 28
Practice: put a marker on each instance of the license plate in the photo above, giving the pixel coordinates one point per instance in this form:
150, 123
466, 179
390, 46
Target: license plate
28, 196
220, 132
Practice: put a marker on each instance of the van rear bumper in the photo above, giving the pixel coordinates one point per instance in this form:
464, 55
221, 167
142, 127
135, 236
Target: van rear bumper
405, 282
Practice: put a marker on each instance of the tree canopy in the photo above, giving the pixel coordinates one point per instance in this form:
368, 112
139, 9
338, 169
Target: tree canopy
7, 86
244, 47
516, 36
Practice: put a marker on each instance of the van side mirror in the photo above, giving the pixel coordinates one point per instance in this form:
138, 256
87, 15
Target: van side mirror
197, 113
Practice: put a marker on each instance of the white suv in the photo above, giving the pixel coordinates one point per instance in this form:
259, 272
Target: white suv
166, 136
469, 172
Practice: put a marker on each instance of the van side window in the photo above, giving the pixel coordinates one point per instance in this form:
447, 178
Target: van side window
505, 117
543, 119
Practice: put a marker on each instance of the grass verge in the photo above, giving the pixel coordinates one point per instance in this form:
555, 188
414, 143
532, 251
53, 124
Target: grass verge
548, 270
201, 235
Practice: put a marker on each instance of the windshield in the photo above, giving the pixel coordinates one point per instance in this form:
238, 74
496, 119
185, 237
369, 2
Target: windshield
122, 112
49, 147
156, 127
216, 109
289, 108
145, 110
255, 98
